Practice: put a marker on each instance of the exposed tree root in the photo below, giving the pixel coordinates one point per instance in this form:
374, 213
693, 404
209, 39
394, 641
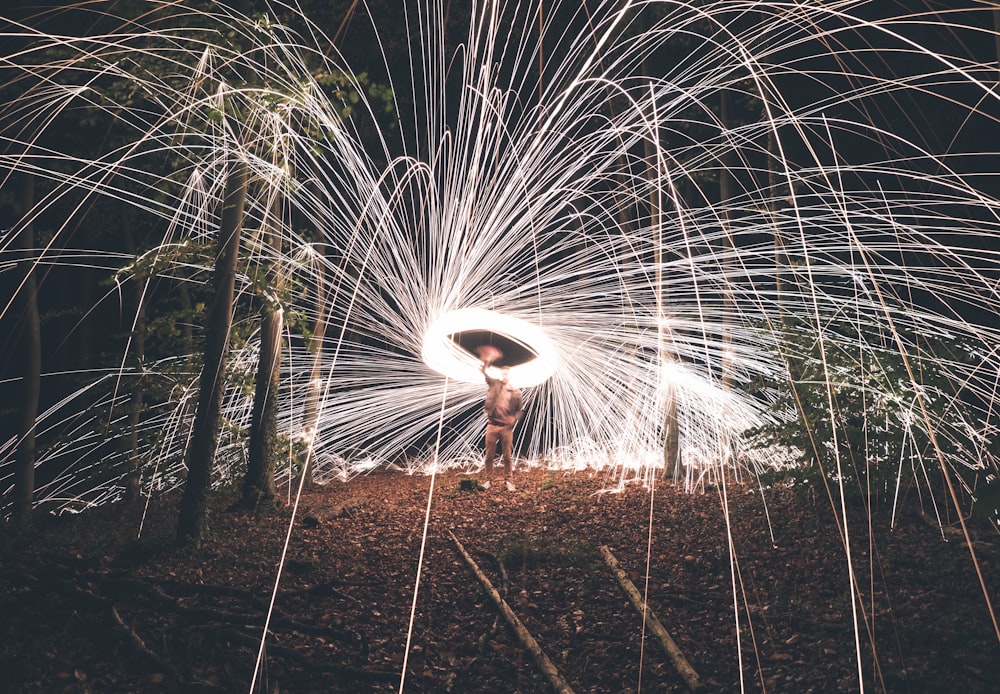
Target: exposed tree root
140, 646
97, 590
278, 621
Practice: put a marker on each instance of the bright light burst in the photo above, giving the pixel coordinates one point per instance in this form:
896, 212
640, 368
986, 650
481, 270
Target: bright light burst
676, 208
443, 351
686, 200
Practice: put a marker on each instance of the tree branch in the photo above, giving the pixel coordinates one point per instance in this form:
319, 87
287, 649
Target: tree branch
527, 640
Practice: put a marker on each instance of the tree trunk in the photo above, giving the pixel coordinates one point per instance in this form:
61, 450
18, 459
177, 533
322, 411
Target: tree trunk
671, 437
136, 359
996, 35
30, 347
205, 432
727, 253
729, 249
655, 178
314, 394
258, 484
780, 261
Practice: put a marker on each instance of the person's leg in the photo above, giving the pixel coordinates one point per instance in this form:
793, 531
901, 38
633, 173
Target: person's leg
507, 446
492, 434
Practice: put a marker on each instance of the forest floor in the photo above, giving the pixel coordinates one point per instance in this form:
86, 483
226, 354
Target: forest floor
89, 604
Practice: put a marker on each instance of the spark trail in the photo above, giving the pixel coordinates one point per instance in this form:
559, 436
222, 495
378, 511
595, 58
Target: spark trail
698, 203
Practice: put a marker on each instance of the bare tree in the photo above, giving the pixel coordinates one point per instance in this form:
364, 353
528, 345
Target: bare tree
205, 433
314, 394
136, 358
258, 483
30, 348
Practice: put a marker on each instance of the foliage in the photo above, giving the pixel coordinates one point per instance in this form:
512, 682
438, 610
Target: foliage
860, 415
292, 451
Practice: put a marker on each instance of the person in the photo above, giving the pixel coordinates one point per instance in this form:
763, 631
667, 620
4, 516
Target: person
504, 407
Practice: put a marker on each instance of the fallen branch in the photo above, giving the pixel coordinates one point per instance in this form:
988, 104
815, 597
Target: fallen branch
680, 662
527, 640
491, 632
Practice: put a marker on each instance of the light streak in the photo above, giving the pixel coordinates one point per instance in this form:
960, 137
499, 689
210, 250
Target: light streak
539, 213
577, 212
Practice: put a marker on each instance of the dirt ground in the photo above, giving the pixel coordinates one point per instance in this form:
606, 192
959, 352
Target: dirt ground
757, 598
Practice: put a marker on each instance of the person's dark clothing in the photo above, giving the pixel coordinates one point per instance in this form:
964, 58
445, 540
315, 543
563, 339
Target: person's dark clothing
504, 407
503, 402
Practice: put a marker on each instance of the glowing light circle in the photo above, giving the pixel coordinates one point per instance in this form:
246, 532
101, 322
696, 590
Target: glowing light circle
442, 351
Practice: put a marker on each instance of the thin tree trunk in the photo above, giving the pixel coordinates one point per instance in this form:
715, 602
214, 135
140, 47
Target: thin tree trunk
314, 394
996, 36
729, 248
780, 261
655, 177
258, 484
136, 359
727, 254
671, 437
205, 432
30, 346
